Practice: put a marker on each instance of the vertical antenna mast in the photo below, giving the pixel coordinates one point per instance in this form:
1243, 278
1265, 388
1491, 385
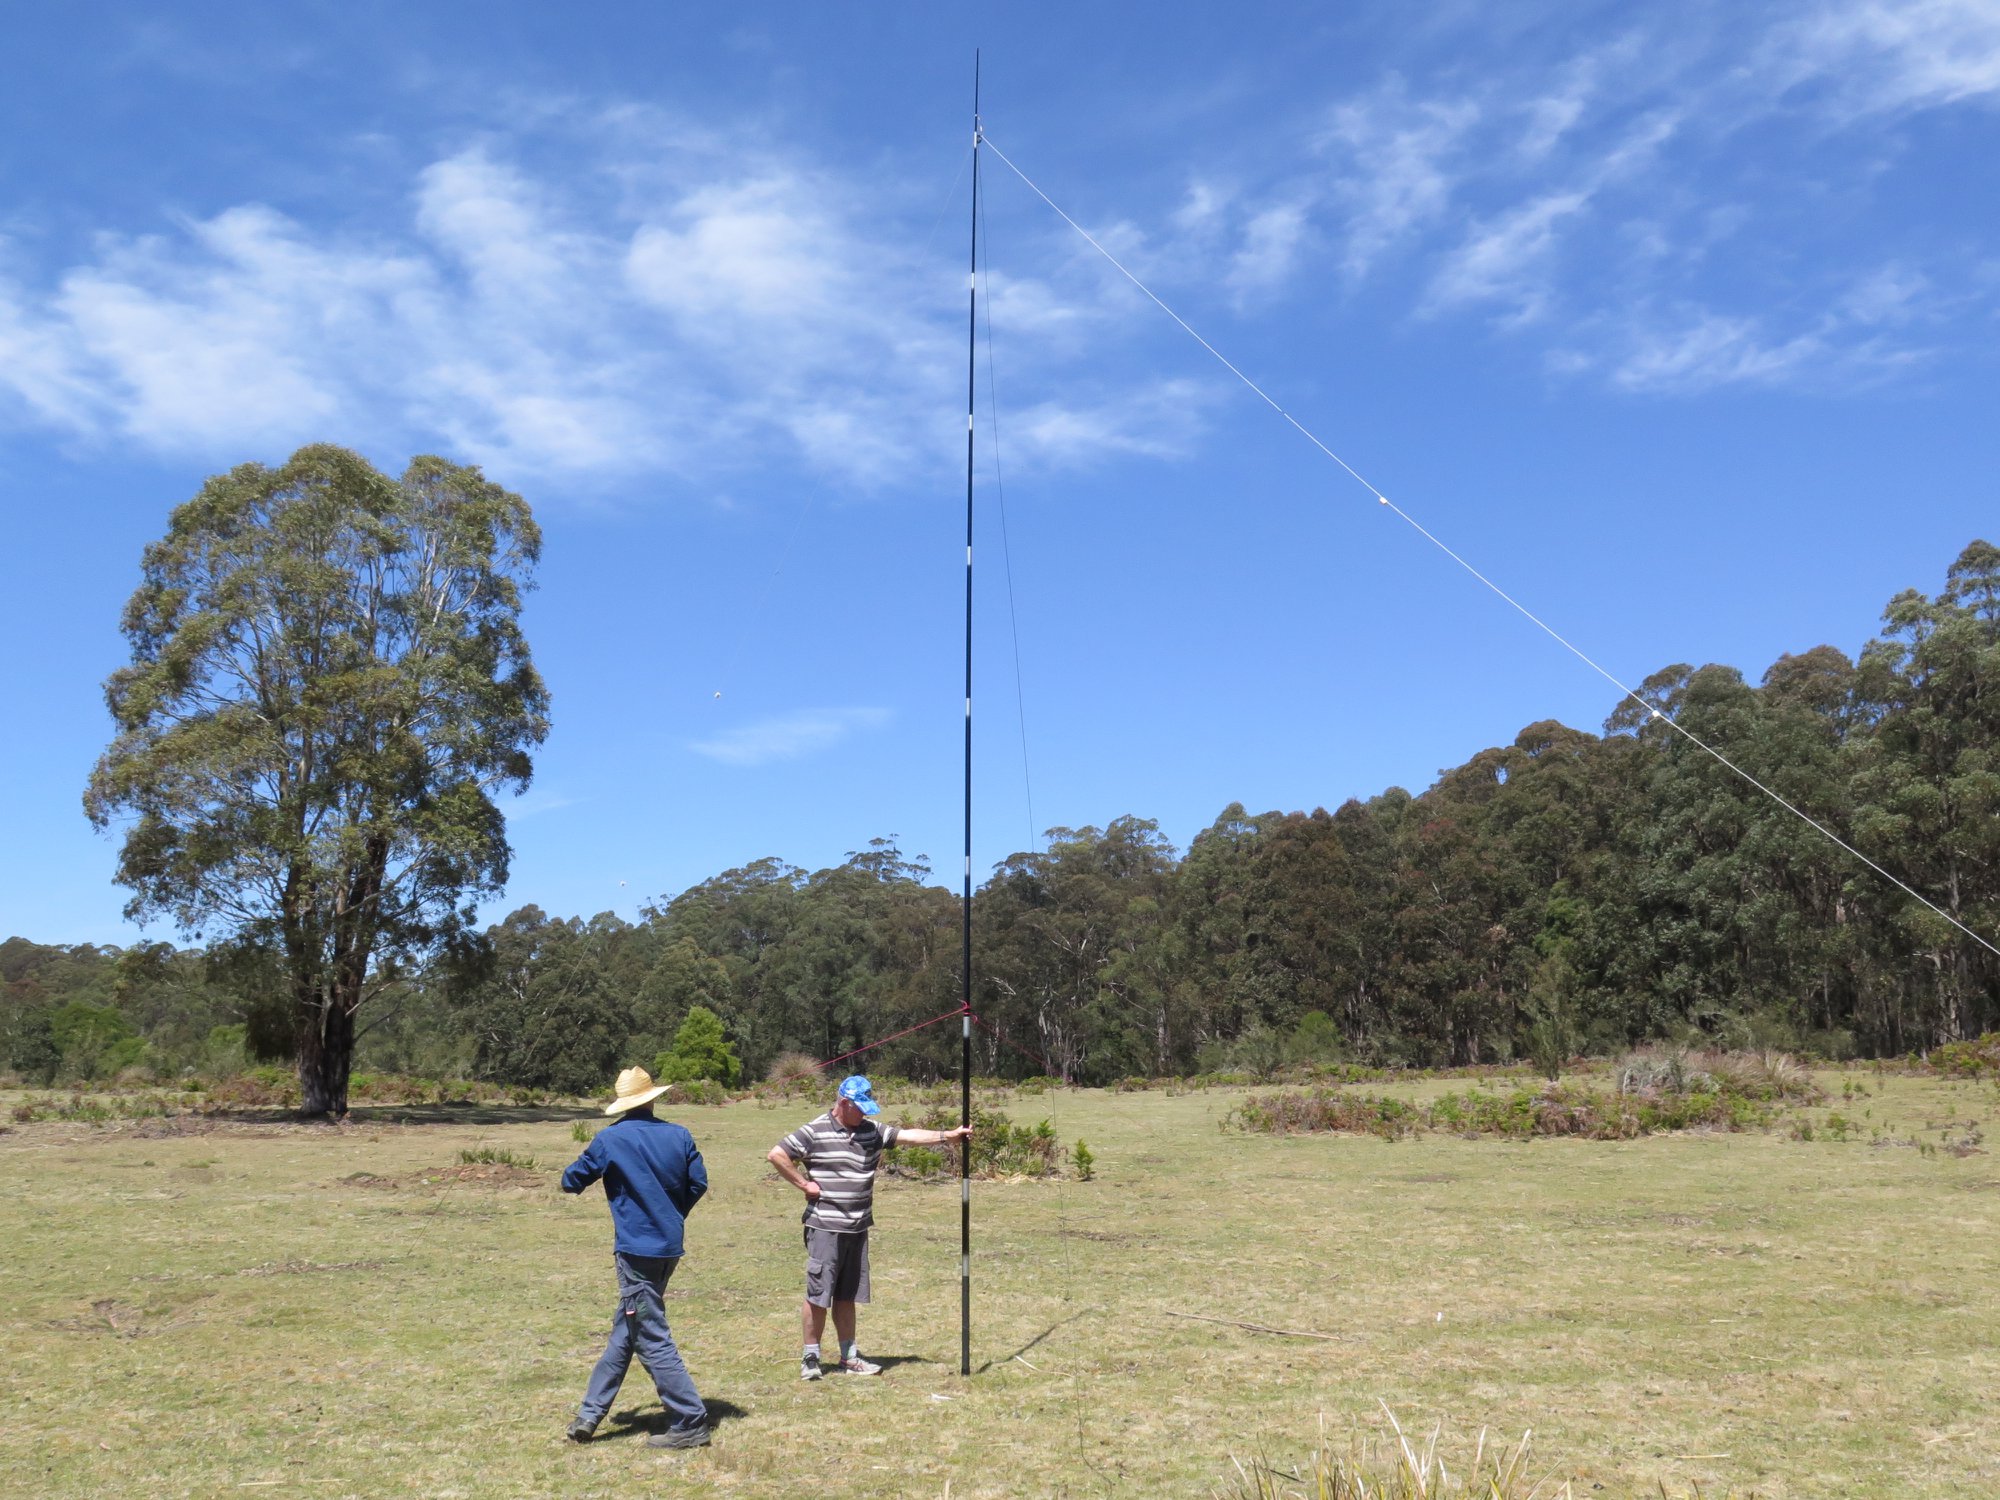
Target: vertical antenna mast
965, 943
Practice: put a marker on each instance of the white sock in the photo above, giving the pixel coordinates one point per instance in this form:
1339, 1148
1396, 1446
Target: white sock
812, 1351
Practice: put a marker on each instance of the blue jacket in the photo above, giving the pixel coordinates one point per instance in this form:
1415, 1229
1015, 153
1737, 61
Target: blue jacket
653, 1176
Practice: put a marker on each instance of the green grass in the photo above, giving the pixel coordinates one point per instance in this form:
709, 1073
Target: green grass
269, 1308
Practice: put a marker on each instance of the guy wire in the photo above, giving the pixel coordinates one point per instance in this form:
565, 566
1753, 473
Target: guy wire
1034, 839
1507, 598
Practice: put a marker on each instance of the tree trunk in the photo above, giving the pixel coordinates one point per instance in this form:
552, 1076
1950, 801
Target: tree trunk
326, 1054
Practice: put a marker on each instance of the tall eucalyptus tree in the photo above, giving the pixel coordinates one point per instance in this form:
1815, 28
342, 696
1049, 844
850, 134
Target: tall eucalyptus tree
328, 686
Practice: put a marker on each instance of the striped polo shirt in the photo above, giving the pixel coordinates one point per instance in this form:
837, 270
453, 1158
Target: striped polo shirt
843, 1163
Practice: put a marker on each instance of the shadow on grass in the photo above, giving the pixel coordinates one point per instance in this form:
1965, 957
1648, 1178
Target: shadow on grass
886, 1361
361, 1117
1059, 1322
466, 1114
635, 1420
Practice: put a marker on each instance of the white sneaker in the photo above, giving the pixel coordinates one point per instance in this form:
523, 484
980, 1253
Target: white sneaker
854, 1364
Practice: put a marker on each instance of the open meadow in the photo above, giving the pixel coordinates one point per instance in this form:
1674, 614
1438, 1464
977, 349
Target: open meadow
199, 1307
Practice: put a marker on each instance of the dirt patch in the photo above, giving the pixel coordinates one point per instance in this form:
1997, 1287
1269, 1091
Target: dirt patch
175, 1126
308, 1267
109, 1315
471, 1174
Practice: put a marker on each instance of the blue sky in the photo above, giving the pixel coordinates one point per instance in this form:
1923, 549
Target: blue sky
1677, 322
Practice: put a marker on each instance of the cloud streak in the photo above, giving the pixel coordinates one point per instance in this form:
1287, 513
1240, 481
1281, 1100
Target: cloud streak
793, 736
715, 311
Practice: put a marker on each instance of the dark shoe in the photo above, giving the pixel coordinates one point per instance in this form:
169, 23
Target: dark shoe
679, 1437
809, 1367
581, 1431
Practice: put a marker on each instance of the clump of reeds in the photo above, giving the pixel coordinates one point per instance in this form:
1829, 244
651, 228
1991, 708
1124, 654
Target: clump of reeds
791, 1074
1664, 1069
1390, 1466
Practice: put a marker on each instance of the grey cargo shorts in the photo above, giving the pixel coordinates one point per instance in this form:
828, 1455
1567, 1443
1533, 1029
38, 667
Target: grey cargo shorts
836, 1267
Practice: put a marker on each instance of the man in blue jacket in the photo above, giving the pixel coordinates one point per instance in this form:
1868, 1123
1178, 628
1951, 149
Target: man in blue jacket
653, 1177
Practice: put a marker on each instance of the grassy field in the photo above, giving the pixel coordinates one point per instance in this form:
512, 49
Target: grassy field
199, 1308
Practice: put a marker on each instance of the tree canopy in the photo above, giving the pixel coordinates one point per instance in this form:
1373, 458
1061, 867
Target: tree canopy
328, 685
1565, 892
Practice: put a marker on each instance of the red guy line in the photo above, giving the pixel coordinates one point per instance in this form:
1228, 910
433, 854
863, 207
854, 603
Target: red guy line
816, 1067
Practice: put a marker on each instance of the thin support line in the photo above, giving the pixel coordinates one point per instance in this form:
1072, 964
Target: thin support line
1519, 608
896, 1036
1006, 537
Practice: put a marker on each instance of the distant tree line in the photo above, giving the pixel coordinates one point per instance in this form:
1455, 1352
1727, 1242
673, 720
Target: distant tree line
1566, 893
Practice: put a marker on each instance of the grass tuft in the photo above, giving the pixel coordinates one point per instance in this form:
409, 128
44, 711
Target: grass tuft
1390, 1466
494, 1156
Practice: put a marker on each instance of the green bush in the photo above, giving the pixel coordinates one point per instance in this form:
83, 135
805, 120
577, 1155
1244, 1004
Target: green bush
1085, 1160
1000, 1148
700, 1050
1519, 1114
698, 1091
1973, 1059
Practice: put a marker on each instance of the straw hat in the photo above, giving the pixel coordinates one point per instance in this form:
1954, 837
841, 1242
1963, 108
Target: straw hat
635, 1087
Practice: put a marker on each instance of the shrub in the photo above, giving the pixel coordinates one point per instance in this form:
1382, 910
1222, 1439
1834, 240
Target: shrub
1554, 1110
700, 1050
1361, 1114
1973, 1059
698, 1091
583, 1132
254, 1091
1085, 1160
1000, 1148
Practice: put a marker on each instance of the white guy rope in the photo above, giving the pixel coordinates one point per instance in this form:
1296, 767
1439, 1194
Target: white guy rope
1513, 603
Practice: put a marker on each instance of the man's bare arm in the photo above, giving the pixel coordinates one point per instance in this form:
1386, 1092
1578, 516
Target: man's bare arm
915, 1137
789, 1170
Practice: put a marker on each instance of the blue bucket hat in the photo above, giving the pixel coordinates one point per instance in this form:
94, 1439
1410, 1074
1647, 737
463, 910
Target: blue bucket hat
858, 1092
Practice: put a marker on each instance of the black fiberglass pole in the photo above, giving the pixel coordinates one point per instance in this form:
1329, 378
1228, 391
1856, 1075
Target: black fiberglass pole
965, 935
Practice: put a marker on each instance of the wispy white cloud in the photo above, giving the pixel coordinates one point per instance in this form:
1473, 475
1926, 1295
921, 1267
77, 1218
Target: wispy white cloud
1506, 260
1272, 243
1158, 419
1397, 166
1570, 195
533, 804
710, 310
790, 736
1694, 350
1869, 56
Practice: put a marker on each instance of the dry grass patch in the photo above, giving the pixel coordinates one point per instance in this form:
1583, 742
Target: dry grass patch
1744, 1312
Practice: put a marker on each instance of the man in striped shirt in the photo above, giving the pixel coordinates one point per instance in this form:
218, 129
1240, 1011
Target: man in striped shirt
832, 1160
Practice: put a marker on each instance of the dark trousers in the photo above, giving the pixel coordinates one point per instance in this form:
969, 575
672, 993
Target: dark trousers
641, 1326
